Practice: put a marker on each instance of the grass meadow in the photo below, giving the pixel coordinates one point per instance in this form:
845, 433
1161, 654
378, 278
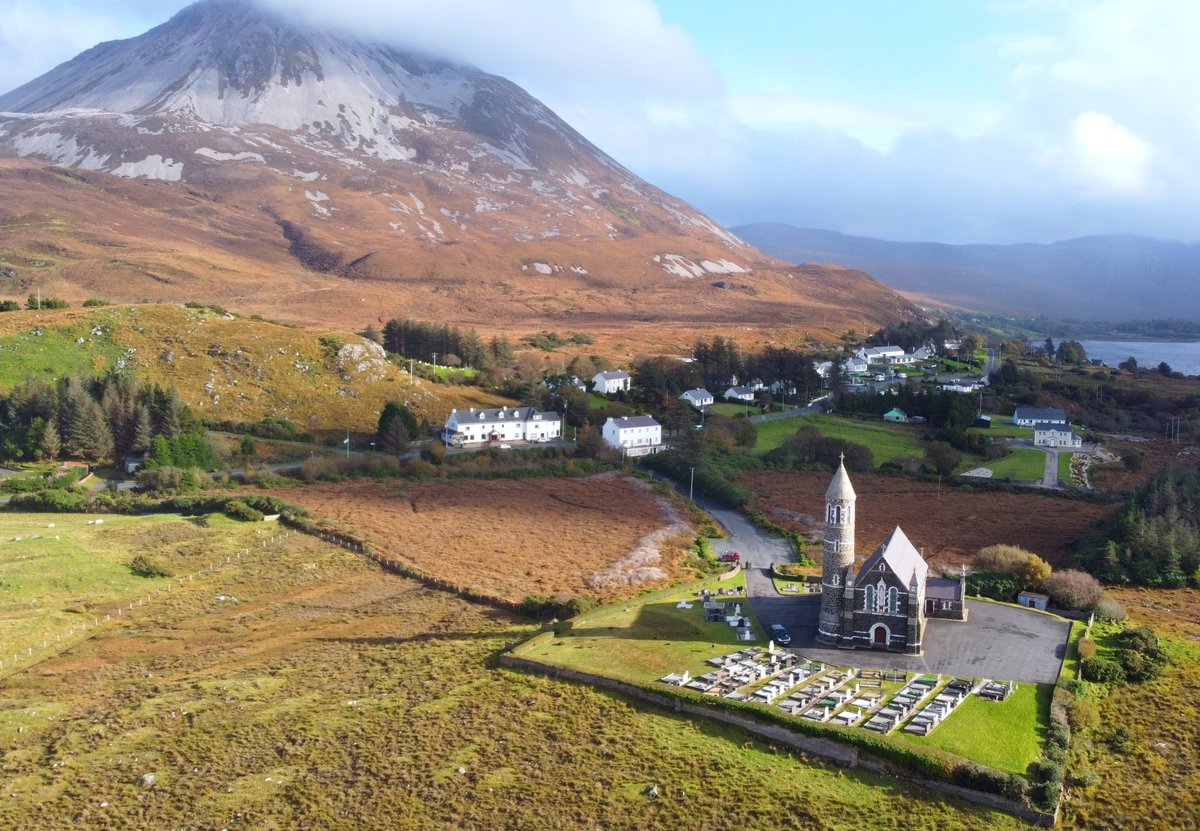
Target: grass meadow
1021, 465
1015, 729
887, 440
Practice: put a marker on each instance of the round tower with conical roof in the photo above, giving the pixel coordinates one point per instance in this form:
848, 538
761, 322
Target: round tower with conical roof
839, 554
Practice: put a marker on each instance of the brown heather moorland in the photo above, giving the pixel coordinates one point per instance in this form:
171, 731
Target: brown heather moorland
601, 536
949, 523
77, 234
1138, 743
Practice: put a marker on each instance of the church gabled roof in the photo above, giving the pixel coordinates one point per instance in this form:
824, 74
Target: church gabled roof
901, 557
840, 487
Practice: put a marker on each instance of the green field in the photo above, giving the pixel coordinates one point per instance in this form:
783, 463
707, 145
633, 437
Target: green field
887, 440
642, 640
1002, 427
1021, 465
51, 352
1015, 729
733, 409
60, 573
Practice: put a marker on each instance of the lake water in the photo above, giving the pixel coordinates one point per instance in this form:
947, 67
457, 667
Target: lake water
1183, 357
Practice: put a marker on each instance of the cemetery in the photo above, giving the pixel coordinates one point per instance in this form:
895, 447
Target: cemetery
877, 700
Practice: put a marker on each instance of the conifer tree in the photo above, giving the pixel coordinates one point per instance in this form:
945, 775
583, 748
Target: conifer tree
50, 444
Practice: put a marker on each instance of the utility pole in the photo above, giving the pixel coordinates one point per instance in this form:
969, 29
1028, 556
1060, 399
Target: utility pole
691, 485
347, 443
435, 360
411, 379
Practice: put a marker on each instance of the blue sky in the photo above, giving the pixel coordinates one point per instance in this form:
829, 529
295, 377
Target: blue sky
947, 120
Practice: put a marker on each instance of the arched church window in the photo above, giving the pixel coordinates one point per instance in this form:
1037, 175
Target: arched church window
893, 600
868, 598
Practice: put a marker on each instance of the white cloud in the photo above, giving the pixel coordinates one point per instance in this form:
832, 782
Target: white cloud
618, 46
1108, 156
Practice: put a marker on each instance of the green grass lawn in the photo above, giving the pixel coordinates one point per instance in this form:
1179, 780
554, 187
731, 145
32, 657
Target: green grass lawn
443, 372
733, 409
782, 584
644, 639
1064, 468
1070, 666
1006, 735
886, 439
1002, 427
1021, 465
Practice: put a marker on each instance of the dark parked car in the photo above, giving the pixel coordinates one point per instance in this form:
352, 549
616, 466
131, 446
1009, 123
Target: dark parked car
780, 635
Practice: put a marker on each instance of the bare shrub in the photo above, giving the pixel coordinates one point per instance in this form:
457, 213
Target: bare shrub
1109, 609
1073, 589
1002, 559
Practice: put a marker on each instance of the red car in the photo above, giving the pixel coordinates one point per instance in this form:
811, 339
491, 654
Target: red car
730, 557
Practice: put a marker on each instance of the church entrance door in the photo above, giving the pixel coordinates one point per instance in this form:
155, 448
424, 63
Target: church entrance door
879, 635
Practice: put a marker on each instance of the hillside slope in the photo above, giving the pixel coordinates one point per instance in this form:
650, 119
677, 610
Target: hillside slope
226, 368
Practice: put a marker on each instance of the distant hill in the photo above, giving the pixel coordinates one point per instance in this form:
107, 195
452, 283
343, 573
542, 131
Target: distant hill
1093, 278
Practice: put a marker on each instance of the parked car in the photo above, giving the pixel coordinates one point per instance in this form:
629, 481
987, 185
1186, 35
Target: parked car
506, 447
780, 635
730, 557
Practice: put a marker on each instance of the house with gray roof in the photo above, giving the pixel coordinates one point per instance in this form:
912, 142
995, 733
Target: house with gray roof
739, 393
633, 435
1046, 434
698, 397
1029, 416
611, 381
502, 424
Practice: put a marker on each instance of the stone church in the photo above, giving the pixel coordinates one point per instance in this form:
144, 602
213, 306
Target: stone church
887, 603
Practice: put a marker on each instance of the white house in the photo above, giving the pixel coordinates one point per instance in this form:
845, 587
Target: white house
855, 365
698, 398
782, 387
823, 368
739, 394
504, 424
884, 355
1046, 434
606, 383
1029, 416
635, 435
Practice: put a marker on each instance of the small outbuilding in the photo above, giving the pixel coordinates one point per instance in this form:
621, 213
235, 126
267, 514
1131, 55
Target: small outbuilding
897, 415
1033, 600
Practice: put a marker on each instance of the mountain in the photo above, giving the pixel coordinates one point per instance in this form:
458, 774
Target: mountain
235, 155
1091, 278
